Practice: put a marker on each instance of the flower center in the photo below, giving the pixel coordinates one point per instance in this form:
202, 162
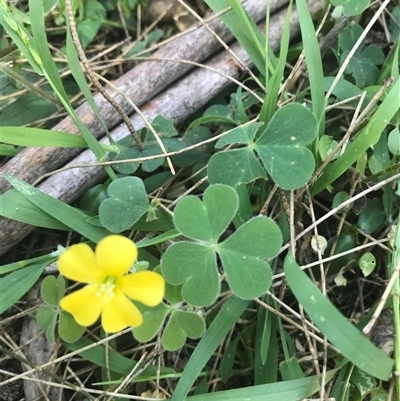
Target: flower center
107, 288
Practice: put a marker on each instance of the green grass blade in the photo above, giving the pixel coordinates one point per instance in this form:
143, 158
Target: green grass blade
15, 206
340, 332
243, 29
167, 236
46, 259
54, 79
76, 70
368, 137
16, 284
20, 36
114, 361
271, 100
211, 339
66, 214
289, 390
314, 64
396, 302
27, 136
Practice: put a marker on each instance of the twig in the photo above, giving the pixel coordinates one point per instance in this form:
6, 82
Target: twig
93, 77
382, 301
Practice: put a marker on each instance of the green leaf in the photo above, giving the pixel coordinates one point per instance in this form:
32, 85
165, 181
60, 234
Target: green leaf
95, 13
112, 359
394, 142
212, 338
153, 319
339, 331
180, 326
45, 315
372, 216
314, 63
60, 286
164, 127
150, 148
47, 259
49, 291
367, 263
53, 77
364, 383
71, 217
325, 147
7, 150
173, 337
128, 202
192, 323
281, 146
277, 75
363, 66
291, 369
236, 166
240, 135
242, 256
16, 284
159, 239
15, 206
291, 390
244, 29
193, 266
21, 37
207, 220
46, 319
355, 7
339, 198
28, 136
228, 359
68, 329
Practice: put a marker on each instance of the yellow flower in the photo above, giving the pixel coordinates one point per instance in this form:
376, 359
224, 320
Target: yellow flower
109, 285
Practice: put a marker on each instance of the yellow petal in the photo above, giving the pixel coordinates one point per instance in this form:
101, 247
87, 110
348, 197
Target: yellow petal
116, 254
120, 313
84, 305
79, 263
145, 286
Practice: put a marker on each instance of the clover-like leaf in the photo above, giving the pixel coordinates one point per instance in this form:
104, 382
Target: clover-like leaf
68, 329
173, 337
235, 167
150, 148
192, 324
153, 319
180, 326
46, 318
207, 220
243, 254
240, 135
282, 146
194, 266
362, 65
164, 127
128, 202
48, 291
